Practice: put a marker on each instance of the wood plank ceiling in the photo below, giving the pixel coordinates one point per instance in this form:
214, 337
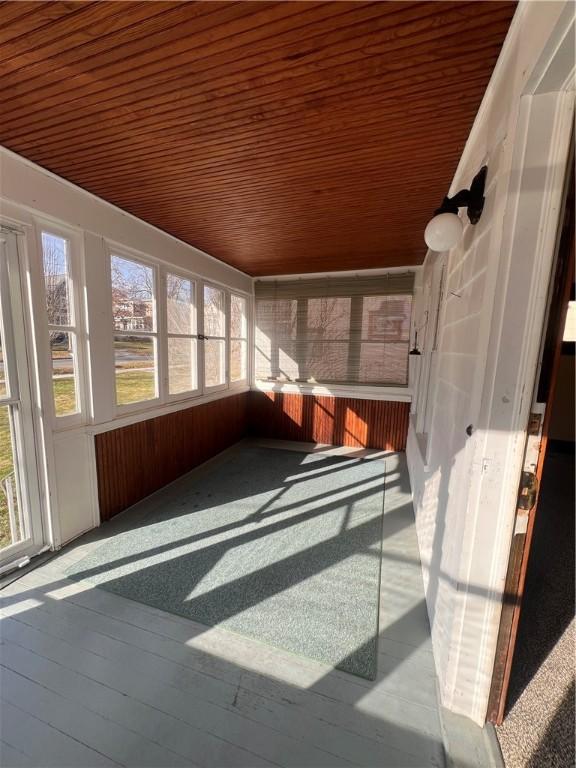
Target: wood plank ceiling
281, 137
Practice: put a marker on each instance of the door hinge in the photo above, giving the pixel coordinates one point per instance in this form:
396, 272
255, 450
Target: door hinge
528, 492
534, 423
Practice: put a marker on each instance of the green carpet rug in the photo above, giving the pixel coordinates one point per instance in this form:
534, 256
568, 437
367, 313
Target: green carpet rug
278, 545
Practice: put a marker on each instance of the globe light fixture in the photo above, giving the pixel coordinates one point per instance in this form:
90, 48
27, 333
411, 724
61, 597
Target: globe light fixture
445, 229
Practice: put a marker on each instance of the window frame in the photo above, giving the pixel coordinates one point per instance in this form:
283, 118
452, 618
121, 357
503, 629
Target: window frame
354, 341
124, 253
431, 322
77, 329
164, 398
243, 381
362, 341
177, 396
226, 338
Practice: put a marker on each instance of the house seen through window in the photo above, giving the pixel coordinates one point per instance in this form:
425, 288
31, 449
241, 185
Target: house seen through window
334, 331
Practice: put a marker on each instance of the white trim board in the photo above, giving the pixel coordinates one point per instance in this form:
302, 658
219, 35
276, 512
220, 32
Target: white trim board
376, 272
465, 500
392, 394
517, 330
163, 410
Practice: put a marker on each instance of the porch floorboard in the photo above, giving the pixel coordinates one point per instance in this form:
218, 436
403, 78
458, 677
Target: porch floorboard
92, 678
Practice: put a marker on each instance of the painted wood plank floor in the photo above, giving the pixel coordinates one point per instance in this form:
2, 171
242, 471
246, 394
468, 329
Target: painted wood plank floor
89, 678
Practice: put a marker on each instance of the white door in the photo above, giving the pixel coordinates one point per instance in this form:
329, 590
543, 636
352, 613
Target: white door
20, 513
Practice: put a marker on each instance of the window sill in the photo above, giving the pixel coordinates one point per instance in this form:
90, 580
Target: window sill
162, 410
394, 394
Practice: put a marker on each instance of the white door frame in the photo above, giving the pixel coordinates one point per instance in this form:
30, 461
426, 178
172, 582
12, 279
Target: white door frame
535, 195
18, 354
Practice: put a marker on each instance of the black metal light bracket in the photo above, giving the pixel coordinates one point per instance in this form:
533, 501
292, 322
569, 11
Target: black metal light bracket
415, 350
472, 199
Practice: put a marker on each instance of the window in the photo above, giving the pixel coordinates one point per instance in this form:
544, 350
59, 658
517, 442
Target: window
62, 327
238, 339
215, 337
338, 331
135, 338
175, 336
428, 327
182, 335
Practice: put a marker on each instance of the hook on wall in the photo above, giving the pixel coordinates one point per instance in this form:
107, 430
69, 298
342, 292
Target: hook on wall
415, 351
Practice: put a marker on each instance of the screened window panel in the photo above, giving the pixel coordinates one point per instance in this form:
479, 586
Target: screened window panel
345, 331
182, 345
326, 361
64, 373
62, 329
182, 364
238, 323
214, 362
56, 279
383, 363
386, 318
3, 387
132, 295
180, 305
214, 312
135, 369
328, 318
238, 338
238, 358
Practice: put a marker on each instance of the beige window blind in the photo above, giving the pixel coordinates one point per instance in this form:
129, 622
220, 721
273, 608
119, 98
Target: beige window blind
334, 330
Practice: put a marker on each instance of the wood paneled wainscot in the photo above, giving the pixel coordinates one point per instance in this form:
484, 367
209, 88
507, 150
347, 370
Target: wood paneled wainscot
134, 461
333, 420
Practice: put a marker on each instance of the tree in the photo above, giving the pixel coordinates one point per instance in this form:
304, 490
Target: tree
132, 294
55, 261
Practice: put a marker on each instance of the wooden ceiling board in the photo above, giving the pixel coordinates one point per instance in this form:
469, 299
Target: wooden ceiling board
281, 137
164, 100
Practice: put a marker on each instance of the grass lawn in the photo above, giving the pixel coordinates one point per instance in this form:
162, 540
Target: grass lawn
131, 386
6, 468
134, 345
64, 396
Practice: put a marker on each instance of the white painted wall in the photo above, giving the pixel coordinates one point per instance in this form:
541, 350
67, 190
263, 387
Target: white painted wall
490, 320
29, 198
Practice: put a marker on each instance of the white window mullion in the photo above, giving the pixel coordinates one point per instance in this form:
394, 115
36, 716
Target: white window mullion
180, 295
227, 302
215, 330
161, 339
200, 334
63, 325
238, 339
